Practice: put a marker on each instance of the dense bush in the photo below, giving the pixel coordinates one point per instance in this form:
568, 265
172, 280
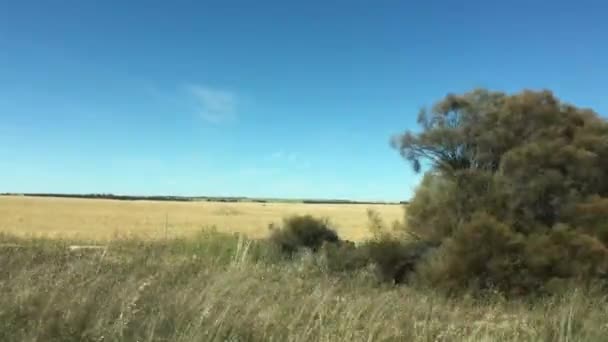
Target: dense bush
515, 194
482, 253
299, 232
488, 254
344, 257
394, 255
394, 259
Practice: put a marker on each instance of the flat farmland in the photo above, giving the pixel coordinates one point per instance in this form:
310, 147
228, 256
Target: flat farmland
101, 219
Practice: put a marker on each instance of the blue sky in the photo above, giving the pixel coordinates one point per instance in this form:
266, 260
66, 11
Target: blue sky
264, 98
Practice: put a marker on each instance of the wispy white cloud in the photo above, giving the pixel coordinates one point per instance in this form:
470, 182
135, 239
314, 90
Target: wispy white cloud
214, 105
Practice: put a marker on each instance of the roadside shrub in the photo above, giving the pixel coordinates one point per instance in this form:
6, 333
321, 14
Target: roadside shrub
592, 216
485, 254
344, 257
393, 255
299, 232
482, 254
380, 230
564, 253
515, 193
395, 260
433, 195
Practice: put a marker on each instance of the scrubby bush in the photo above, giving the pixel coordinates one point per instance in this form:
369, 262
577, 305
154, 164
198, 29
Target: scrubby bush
394, 255
299, 232
592, 216
344, 257
380, 230
395, 260
483, 253
515, 194
564, 252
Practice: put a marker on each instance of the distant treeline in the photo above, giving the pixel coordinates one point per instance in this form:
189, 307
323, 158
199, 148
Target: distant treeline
189, 199
134, 198
106, 196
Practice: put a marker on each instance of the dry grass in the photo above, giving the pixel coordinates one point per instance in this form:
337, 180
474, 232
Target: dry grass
165, 292
92, 219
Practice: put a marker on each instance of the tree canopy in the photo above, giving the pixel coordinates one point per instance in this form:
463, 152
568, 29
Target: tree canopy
526, 163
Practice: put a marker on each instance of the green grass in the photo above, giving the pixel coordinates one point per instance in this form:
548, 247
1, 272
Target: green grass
224, 288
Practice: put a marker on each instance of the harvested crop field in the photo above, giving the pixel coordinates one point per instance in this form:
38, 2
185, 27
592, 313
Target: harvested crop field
100, 219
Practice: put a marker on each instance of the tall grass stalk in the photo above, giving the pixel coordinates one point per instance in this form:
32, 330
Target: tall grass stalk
229, 288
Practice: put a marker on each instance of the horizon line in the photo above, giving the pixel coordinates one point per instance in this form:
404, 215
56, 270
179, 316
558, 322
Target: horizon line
198, 197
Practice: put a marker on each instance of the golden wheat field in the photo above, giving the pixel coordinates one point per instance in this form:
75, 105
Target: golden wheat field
100, 219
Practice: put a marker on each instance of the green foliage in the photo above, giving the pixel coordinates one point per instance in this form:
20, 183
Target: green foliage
300, 232
516, 191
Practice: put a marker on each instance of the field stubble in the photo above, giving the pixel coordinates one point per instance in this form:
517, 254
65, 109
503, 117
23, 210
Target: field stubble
95, 219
